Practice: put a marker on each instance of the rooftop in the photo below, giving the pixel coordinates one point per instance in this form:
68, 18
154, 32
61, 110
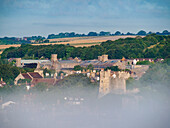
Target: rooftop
35, 61
68, 61
26, 76
35, 75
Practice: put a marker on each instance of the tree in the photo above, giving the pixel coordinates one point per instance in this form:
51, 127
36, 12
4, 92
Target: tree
90, 67
128, 33
46, 41
143, 63
117, 33
78, 68
112, 68
142, 33
165, 32
92, 34
8, 73
102, 33
149, 33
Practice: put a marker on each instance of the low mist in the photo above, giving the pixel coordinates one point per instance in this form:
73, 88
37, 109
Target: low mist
75, 104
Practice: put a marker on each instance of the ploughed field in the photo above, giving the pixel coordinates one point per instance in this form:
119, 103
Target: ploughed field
75, 41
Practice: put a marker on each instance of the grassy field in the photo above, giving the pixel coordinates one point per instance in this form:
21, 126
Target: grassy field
75, 41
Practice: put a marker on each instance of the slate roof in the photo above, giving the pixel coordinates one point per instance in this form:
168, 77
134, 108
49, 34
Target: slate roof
98, 64
68, 61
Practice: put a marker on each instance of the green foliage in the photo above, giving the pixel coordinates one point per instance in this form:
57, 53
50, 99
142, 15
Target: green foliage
151, 46
48, 71
78, 85
12, 40
90, 67
23, 81
130, 83
3, 61
158, 74
78, 68
8, 73
59, 74
112, 68
141, 33
143, 63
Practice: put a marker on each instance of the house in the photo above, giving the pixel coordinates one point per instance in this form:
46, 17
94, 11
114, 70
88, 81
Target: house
29, 75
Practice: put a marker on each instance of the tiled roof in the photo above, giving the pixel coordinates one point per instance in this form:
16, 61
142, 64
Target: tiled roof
50, 81
26, 76
35, 75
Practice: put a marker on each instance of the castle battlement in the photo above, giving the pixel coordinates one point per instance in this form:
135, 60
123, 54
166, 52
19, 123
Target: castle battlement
112, 82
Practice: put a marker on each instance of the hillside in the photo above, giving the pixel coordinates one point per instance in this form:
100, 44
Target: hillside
129, 48
73, 41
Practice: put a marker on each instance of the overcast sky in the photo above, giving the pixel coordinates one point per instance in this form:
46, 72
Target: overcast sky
43, 17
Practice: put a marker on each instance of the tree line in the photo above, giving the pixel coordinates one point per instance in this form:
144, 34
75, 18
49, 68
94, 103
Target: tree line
41, 39
103, 33
151, 46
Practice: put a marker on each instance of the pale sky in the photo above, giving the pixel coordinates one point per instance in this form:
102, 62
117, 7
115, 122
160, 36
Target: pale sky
43, 17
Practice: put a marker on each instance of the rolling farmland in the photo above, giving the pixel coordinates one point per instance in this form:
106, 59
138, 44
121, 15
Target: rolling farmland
75, 41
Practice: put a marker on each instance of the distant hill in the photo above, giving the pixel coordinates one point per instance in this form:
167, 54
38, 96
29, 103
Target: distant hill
151, 46
67, 36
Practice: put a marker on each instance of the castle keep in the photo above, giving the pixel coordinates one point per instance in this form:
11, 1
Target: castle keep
112, 82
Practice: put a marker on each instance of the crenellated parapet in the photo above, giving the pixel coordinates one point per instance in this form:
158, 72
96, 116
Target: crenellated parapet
112, 82
54, 58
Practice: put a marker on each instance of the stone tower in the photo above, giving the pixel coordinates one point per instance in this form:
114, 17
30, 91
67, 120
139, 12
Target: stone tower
99, 58
55, 63
104, 82
103, 58
54, 57
112, 82
18, 62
